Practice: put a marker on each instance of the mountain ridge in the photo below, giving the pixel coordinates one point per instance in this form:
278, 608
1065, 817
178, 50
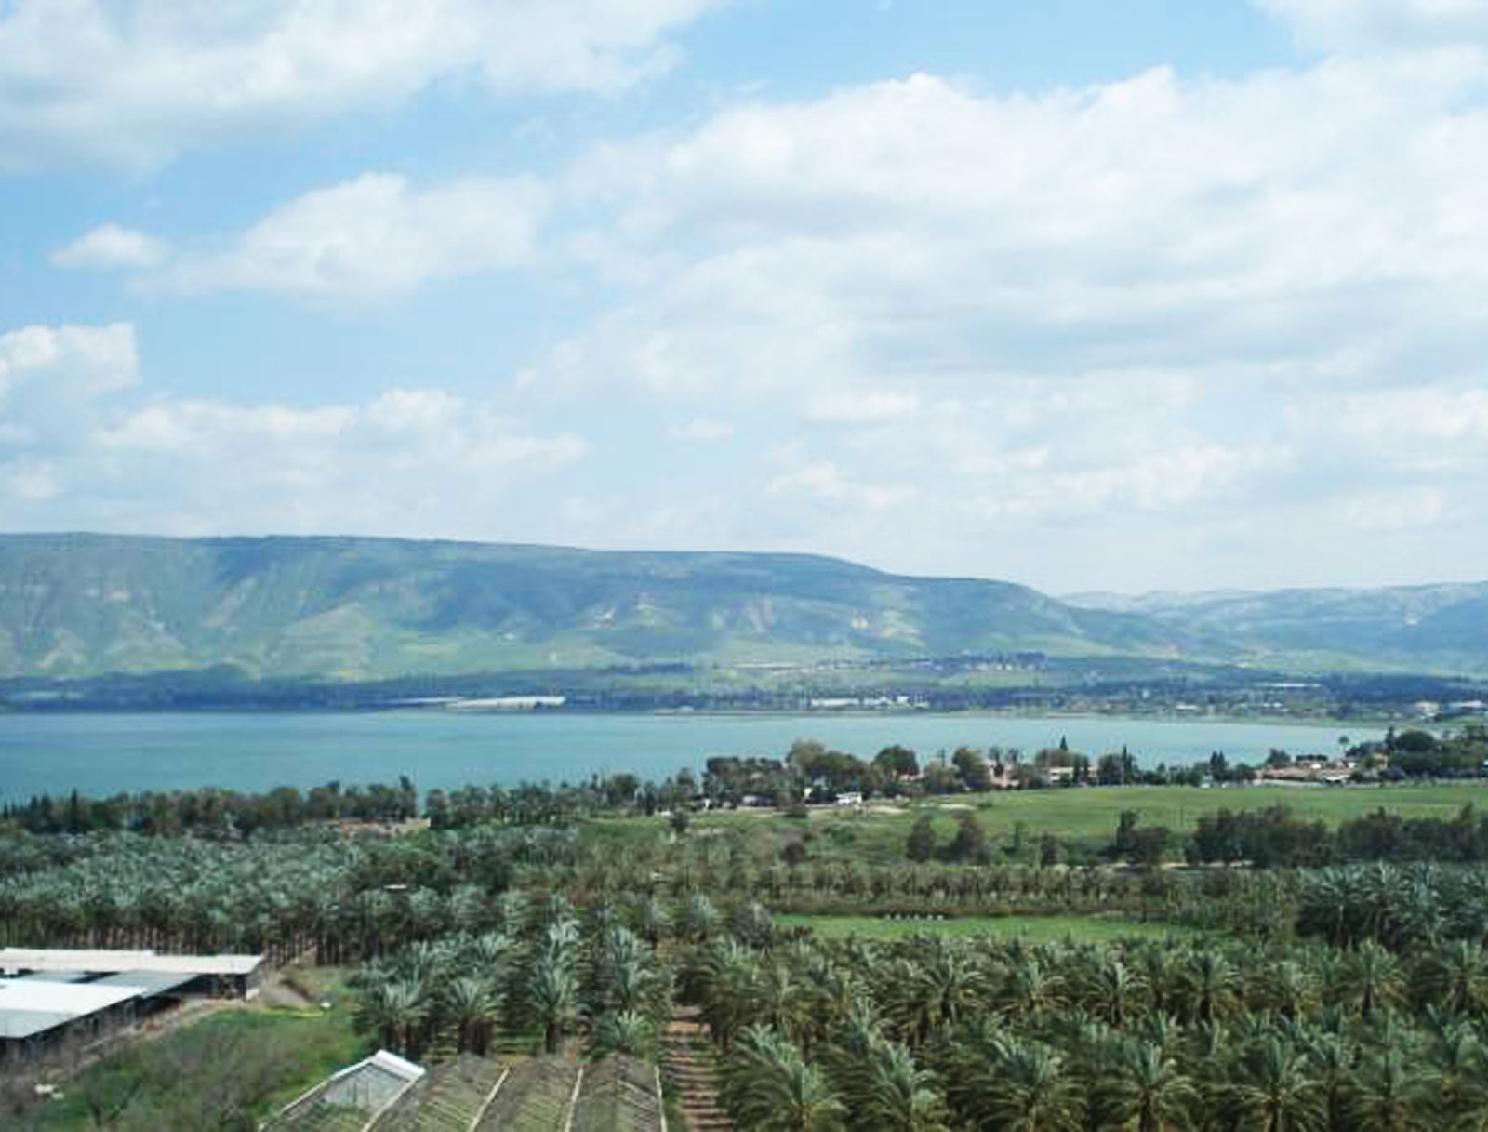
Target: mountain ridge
352, 607
76, 604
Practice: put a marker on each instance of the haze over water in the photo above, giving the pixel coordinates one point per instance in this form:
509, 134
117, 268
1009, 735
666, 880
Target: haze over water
104, 753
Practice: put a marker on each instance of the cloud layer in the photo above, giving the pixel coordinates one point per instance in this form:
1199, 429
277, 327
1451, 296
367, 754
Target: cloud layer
132, 83
1162, 331
1187, 313
84, 447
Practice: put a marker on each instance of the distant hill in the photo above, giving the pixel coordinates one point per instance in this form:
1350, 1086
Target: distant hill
367, 609
1442, 627
357, 609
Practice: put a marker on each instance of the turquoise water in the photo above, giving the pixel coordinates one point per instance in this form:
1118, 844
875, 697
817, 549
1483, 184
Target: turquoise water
104, 753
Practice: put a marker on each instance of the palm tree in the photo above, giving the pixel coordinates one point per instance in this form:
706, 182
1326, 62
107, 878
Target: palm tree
767, 1085
625, 1032
1022, 1088
1372, 976
1029, 989
1113, 989
1146, 1091
1211, 984
1331, 1060
847, 1057
1290, 989
1393, 1096
1460, 1065
395, 1009
934, 990
900, 1096
1276, 1092
552, 994
474, 1003
723, 983
1456, 977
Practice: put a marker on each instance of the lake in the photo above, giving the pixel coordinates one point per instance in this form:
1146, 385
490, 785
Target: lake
103, 753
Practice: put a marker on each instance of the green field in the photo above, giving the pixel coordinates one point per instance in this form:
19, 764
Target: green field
229, 1069
1035, 929
1083, 818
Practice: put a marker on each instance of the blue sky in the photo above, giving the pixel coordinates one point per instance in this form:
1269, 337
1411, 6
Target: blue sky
1130, 295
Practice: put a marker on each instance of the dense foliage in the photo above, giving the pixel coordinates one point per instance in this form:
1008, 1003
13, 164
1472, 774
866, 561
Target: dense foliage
933, 1033
1329, 990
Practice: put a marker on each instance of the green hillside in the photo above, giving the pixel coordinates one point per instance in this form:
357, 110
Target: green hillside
351, 608
1441, 627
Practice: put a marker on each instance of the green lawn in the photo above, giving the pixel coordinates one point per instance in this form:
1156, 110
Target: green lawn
1035, 929
228, 1070
1085, 817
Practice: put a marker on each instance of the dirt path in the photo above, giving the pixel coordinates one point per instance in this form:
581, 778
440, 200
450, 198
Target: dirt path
692, 1066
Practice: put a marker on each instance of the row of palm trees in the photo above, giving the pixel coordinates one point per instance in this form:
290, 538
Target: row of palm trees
349, 898
933, 1033
342, 898
546, 980
1402, 907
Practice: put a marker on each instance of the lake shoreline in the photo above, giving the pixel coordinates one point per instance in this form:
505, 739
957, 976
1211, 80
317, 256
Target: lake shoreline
1319, 721
100, 753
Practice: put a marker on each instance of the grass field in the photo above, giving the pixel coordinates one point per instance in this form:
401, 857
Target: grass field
227, 1070
1086, 817
1035, 929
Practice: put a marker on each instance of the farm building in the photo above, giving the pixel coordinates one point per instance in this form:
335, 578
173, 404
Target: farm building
49, 997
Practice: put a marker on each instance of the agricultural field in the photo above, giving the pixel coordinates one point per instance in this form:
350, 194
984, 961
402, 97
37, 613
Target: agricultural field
742, 954
228, 1070
1083, 818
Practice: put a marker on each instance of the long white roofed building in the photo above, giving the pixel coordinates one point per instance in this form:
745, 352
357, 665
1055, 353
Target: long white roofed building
49, 997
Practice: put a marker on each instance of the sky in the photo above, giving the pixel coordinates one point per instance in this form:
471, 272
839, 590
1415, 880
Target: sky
1085, 294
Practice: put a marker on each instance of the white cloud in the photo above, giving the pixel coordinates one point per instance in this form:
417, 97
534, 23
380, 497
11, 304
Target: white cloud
85, 359
1188, 317
704, 430
1148, 305
370, 238
1394, 418
132, 82
863, 406
912, 236
111, 246
823, 480
1388, 25
413, 461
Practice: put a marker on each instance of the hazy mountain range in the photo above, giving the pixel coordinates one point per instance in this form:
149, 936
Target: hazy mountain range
356, 608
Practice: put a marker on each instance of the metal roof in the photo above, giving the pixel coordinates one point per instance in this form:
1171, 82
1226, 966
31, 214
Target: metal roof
30, 1006
117, 962
54, 977
146, 982
17, 1024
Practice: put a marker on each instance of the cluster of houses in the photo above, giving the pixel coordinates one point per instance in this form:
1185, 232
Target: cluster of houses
1316, 770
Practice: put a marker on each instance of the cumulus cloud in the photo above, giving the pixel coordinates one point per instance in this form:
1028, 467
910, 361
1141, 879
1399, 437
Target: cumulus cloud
111, 246
1383, 25
373, 237
1150, 304
88, 359
132, 83
415, 461
1185, 316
